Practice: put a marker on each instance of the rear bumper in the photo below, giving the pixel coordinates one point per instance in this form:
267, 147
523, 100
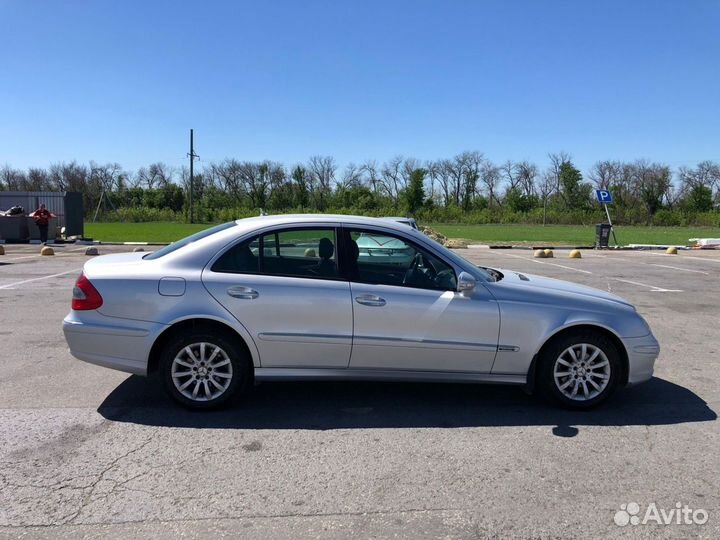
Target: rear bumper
642, 353
110, 342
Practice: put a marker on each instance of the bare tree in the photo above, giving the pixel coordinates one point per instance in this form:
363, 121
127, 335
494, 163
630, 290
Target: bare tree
526, 174
433, 171
156, 176
472, 163
229, 177
651, 184
456, 179
409, 165
458, 173
556, 161
444, 171
201, 182
352, 176
606, 174
11, 179
302, 189
255, 180
391, 177
370, 170
322, 171
276, 175
106, 176
490, 178
71, 177
509, 174
37, 179
546, 187
675, 193
706, 174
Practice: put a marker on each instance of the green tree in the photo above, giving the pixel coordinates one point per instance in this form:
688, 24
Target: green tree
575, 193
415, 192
516, 201
699, 199
302, 194
470, 180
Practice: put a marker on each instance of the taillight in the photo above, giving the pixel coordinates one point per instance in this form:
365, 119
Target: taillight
85, 295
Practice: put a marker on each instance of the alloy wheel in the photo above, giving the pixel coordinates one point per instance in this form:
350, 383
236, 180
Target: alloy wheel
582, 372
201, 371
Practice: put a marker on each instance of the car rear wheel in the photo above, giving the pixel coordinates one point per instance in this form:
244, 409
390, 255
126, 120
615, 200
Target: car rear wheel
580, 370
203, 371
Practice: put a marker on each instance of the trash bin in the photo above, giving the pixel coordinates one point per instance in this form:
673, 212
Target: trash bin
602, 235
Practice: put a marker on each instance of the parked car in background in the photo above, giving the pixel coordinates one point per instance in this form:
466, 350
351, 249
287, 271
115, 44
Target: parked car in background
345, 297
410, 222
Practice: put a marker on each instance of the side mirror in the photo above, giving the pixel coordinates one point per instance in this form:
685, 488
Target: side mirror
466, 284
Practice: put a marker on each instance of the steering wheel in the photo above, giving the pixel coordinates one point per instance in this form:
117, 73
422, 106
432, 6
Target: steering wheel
420, 267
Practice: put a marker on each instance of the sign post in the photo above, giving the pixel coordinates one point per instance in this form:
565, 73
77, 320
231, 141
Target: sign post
605, 197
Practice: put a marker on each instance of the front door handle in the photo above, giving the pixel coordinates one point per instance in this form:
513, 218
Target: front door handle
370, 300
244, 293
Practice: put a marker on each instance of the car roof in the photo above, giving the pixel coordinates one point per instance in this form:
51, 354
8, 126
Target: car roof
287, 219
197, 252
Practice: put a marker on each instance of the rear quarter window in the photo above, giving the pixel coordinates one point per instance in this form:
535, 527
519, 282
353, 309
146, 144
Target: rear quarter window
188, 240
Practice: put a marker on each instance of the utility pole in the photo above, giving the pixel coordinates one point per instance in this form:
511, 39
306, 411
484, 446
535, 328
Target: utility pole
192, 155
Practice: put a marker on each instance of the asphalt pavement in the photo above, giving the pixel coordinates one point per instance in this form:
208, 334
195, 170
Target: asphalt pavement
86, 452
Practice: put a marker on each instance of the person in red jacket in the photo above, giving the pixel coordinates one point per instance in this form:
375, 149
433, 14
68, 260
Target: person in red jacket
42, 217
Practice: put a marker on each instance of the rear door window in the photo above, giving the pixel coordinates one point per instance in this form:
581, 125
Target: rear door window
309, 252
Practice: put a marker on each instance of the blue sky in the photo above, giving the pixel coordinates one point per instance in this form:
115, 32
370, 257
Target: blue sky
124, 81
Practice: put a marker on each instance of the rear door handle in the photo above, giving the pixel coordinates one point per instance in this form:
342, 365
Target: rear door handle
370, 300
244, 293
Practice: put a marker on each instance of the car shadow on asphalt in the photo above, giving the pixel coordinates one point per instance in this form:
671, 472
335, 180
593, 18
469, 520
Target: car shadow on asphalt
347, 405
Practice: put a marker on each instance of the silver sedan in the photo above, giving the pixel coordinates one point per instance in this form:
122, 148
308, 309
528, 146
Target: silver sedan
344, 297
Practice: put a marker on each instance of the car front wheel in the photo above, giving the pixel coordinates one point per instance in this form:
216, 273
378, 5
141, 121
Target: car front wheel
580, 370
203, 371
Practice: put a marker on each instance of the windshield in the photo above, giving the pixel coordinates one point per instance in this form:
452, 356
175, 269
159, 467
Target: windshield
188, 240
478, 273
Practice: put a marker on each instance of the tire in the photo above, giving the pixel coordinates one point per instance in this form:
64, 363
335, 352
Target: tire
201, 370
572, 380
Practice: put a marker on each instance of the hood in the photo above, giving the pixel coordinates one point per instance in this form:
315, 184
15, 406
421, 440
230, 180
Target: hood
539, 284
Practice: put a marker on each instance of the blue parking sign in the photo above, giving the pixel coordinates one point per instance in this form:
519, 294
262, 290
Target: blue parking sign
603, 196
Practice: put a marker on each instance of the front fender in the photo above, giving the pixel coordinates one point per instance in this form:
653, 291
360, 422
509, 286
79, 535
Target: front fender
526, 327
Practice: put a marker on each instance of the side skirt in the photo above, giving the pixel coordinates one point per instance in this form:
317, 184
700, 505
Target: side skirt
348, 374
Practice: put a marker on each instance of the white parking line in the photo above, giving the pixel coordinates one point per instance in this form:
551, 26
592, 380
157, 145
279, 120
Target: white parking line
19, 258
678, 268
697, 258
11, 285
652, 288
551, 264
635, 260
563, 266
689, 257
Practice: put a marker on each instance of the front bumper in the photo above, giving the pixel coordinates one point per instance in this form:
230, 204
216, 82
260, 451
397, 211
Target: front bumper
110, 342
642, 353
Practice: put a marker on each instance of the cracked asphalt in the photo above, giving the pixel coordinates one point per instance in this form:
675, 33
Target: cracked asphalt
87, 452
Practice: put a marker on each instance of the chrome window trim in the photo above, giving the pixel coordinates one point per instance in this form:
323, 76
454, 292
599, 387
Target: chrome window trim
260, 232
351, 227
